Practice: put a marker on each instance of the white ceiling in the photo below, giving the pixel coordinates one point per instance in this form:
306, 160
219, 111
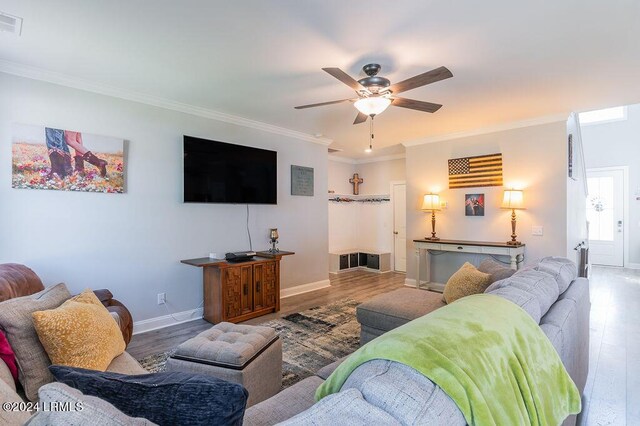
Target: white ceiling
511, 60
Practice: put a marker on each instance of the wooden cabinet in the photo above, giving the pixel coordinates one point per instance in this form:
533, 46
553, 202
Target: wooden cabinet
236, 292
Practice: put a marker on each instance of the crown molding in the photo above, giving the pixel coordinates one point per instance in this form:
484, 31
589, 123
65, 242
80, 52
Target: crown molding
379, 159
491, 129
338, 159
40, 74
366, 160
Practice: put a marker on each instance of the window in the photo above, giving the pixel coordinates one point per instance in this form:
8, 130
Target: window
603, 115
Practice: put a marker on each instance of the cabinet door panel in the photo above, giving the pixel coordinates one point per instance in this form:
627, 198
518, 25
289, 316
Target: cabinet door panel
232, 292
258, 289
269, 285
247, 289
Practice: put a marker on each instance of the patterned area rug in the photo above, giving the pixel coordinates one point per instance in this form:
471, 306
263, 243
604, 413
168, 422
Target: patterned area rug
311, 339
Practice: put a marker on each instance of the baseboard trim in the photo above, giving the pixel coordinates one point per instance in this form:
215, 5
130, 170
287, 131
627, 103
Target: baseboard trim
633, 265
304, 288
166, 320
410, 282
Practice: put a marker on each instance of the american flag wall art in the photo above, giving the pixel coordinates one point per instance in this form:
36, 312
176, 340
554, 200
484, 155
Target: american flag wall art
474, 172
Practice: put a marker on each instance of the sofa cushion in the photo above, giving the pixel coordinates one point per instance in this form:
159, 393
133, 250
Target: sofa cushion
464, 282
8, 358
80, 333
405, 393
164, 398
284, 405
16, 321
84, 409
10, 417
126, 364
347, 407
496, 270
522, 298
563, 270
391, 310
540, 285
326, 371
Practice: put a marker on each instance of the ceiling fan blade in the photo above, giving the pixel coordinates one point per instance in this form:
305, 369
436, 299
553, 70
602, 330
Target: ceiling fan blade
360, 118
322, 104
417, 105
423, 79
345, 78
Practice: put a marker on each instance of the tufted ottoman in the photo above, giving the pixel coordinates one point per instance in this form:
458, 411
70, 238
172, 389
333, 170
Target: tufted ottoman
244, 354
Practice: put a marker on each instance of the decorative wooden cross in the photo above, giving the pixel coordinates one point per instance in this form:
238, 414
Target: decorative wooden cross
356, 181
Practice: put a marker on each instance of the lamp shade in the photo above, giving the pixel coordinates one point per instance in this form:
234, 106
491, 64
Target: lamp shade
513, 199
431, 202
372, 105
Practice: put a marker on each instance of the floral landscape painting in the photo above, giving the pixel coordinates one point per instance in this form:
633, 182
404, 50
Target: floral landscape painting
66, 160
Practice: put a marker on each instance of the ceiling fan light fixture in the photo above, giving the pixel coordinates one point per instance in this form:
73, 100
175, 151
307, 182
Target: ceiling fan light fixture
372, 105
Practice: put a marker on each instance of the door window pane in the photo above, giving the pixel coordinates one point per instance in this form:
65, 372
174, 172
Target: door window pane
600, 208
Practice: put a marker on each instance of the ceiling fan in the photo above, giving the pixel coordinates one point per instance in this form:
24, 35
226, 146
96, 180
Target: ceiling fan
376, 93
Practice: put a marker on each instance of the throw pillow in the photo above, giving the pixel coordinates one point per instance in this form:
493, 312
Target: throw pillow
8, 357
497, 271
15, 320
80, 333
164, 398
82, 409
466, 281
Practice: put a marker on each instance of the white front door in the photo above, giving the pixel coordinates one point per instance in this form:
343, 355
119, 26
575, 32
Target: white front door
400, 227
605, 213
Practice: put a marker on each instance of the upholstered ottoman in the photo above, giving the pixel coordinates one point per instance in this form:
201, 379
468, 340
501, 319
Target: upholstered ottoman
391, 310
244, 354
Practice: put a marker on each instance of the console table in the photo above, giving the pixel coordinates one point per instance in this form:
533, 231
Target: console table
238, 291
459, 246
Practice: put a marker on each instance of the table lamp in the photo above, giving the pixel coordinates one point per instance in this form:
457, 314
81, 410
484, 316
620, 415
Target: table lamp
431, 202
513, 199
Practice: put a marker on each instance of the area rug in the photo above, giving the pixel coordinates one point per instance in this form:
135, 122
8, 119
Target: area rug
311, 339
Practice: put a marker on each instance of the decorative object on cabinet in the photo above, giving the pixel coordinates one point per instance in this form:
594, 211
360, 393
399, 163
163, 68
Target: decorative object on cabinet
474, 205
236, 292
513, 199
273, 237
302, 181
356, 180
66, 160
431, 202
473, 172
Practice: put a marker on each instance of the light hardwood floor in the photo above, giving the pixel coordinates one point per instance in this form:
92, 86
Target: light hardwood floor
357, 285
613, 387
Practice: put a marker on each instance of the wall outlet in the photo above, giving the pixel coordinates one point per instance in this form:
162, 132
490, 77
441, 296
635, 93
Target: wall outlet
162, 298
537, 230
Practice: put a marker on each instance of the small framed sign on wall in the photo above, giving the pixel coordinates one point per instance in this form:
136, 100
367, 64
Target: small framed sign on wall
302, 181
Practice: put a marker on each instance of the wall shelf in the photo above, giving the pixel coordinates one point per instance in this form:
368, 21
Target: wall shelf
349, 198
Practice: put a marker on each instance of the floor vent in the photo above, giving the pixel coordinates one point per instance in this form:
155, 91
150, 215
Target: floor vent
10, 24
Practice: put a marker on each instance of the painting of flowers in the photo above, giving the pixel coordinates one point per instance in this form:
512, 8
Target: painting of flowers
66, 160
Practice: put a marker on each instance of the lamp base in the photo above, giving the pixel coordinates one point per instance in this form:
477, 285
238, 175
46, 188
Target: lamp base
432, 238
514, 243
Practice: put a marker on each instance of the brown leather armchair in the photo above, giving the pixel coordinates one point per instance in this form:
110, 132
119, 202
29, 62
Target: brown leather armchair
18, 280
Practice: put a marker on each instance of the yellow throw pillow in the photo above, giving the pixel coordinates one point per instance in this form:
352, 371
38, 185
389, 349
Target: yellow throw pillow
466, 281
80, 333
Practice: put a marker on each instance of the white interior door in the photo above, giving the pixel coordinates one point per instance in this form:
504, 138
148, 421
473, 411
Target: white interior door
400, 227
605, 213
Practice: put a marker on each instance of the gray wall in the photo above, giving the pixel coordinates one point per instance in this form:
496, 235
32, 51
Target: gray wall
618, 144
132, 243
534, 159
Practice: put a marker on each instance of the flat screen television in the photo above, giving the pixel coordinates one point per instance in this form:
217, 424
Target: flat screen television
218, 172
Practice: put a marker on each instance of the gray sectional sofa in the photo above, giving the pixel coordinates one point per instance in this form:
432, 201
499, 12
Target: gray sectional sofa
385, 392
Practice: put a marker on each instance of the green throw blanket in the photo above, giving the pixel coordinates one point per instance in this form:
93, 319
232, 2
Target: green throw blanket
487, 354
